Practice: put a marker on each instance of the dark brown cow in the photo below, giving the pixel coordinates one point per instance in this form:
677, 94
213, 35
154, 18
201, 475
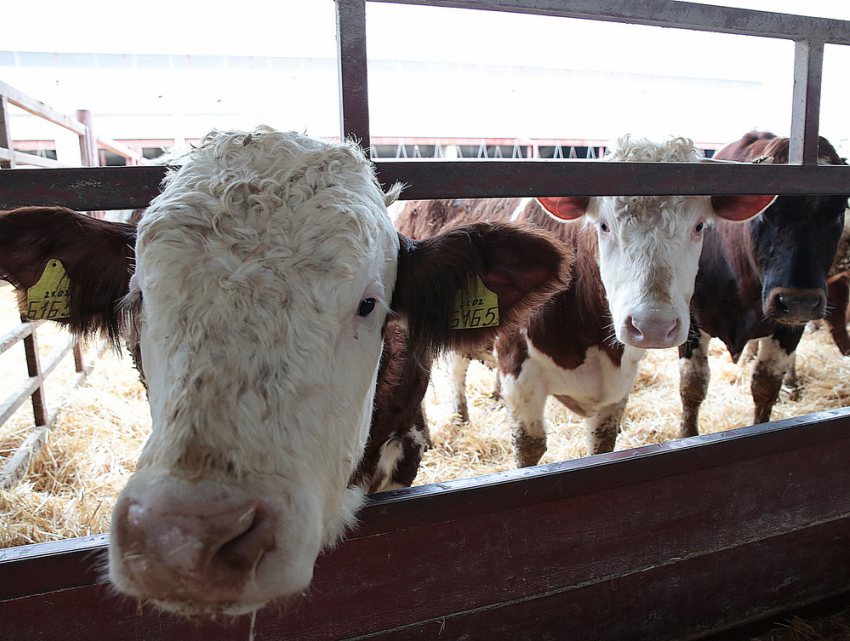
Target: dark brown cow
764, 280
420, 219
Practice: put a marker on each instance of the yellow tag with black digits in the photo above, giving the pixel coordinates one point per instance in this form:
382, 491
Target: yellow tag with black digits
49, 298
477, 308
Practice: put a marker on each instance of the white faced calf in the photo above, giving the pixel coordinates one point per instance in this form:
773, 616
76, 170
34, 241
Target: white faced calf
264, 276
637, 260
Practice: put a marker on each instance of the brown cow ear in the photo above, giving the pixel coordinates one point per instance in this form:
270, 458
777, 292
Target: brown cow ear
565, 207
97, 255
740, 208
523, 267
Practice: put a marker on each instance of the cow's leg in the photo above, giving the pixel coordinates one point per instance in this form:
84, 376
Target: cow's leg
694, 375
457, 365
776, 355
525, 405
602, 428
836, 311
750, 353
488, 357
790, 381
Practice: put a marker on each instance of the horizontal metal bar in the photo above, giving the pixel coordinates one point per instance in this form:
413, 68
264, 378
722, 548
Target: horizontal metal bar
666, 13
494, 179
81, 188
134, 187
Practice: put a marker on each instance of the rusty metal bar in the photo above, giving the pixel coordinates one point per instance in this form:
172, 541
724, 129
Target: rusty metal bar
88, 140
666, 13
82, 188
495, 179
34, 369
134, 187
353, 73
805, 108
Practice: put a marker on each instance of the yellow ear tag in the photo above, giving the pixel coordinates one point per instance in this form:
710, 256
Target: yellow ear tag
477, 308
50, 296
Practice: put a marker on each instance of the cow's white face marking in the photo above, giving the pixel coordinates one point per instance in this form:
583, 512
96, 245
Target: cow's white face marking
264, 270
649, 246
649, 250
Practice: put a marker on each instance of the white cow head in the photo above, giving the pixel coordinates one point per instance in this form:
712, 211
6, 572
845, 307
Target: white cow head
649, 246
264, 276
267, 254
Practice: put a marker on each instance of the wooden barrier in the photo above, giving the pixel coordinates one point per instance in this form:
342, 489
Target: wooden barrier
674, 541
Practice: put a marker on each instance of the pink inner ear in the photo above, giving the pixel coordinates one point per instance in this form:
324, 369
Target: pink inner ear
740, 208
565, 207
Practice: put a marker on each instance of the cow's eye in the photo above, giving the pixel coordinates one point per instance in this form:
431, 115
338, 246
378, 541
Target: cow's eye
604, 227
367, 306
699, 227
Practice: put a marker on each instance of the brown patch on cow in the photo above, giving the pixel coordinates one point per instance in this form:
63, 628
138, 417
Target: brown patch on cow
763, 143
577, 317
420, 219
512, 350
403, 378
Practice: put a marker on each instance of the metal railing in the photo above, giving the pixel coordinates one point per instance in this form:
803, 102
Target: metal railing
32, 387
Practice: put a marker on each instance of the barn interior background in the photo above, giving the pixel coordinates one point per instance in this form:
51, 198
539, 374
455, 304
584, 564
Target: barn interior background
444, 82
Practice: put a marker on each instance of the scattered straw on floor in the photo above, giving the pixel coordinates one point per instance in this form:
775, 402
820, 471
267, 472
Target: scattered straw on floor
73, 484
652, 416
835, 627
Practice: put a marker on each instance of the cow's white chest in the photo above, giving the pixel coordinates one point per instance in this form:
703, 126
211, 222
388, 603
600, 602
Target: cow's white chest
595, 384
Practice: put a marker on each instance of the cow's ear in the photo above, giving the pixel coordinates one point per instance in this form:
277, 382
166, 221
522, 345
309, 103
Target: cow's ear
437, 278
97, 256
565, 207
740, 208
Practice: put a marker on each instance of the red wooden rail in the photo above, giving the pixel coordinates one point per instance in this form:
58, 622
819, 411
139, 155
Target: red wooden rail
673, 541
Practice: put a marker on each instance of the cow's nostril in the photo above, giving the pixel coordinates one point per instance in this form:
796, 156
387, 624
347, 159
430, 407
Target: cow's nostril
246, 548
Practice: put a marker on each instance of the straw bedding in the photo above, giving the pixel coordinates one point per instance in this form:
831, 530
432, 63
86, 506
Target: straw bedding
102, 425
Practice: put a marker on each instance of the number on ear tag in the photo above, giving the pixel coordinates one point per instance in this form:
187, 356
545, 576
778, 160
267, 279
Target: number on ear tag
50, 297
477, 308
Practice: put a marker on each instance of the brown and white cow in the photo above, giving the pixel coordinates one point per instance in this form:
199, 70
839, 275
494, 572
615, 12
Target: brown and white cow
764, 280
264, 278
636, 260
